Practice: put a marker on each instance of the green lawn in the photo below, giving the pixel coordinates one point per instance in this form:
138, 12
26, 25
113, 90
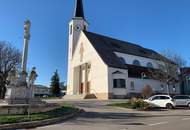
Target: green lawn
8, 119
124, 105
138, 104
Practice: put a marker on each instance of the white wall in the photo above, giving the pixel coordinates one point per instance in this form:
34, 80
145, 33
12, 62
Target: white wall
143, 60
98, 72
73, 38
138, 84
156, 86
117, 91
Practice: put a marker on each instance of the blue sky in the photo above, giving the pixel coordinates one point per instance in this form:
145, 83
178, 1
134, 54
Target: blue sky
155, 24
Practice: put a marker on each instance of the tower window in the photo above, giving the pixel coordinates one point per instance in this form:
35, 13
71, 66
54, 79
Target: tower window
84, 27
71, 29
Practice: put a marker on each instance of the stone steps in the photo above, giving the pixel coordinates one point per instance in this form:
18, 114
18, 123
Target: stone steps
79, 96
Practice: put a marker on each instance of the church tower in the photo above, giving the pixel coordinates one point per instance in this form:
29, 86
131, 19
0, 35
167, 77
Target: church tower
76, 25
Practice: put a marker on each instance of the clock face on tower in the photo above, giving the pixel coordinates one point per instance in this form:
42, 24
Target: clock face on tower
77, 28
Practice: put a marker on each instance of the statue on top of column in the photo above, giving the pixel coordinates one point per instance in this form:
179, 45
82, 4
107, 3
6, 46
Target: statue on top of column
27, 25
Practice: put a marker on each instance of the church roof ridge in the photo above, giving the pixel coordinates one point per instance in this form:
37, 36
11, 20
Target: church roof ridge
101, 35
106, 46
120, 41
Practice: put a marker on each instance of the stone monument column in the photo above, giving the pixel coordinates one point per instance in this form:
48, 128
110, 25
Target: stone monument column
27, 26
21, 90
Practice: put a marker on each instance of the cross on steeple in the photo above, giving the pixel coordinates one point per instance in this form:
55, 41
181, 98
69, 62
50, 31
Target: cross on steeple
79, 12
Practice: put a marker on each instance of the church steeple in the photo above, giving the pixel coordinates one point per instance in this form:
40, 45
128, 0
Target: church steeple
76, 25
79, 12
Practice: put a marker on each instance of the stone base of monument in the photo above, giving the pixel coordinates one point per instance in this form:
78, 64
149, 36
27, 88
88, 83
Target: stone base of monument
20, 99
21, 94
20, 109
24, 101
20, 90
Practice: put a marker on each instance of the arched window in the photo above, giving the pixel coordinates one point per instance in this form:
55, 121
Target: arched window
71, 29
149, 65
137, 63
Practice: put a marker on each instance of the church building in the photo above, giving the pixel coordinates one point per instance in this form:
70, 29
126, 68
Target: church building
106, 67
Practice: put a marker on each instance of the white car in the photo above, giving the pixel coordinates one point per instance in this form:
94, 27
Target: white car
181, 100
163, 101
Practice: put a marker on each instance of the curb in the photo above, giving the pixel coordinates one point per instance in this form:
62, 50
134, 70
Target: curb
33, 124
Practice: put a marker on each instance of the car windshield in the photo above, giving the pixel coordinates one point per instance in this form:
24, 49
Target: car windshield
150, 98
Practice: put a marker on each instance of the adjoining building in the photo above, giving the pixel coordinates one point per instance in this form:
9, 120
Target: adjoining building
107, 67
185, 84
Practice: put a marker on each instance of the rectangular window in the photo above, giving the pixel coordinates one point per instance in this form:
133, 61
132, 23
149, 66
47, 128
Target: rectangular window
119, 83
162, 87
132, 85
71, 29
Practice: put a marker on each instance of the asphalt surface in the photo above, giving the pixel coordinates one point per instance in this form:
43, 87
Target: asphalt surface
99, 116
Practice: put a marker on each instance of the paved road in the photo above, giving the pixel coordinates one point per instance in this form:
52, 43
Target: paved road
98, 116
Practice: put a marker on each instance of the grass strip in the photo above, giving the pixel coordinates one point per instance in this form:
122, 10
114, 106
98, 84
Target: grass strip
60, 112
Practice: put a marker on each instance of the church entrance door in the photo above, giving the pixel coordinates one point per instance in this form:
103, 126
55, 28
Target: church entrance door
88, 88
81, 88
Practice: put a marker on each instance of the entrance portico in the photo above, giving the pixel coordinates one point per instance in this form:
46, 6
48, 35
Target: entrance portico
82, 79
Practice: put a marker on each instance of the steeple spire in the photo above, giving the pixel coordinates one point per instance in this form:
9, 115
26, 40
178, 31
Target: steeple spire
79, 12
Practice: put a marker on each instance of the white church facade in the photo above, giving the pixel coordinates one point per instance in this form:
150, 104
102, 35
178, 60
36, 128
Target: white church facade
106, 67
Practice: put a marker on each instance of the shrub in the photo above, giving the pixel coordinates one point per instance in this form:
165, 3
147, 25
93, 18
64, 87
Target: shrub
147, 91
139, 104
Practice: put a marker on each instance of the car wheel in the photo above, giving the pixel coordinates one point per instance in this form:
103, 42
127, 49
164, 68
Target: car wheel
169, 106
188, 105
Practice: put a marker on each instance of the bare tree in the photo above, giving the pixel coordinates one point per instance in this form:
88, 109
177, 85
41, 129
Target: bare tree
10, 58
167, 71
174, 57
